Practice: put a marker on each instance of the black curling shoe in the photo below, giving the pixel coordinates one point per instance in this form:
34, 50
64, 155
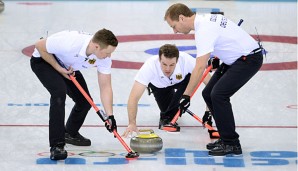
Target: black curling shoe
58, 152
77, 140
224, 149
216, 143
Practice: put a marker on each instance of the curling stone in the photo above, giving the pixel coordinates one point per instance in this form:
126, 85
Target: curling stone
1, 6
148, 142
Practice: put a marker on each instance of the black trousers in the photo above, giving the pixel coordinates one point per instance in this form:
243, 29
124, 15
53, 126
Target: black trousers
226, 81
59, 87
168, 98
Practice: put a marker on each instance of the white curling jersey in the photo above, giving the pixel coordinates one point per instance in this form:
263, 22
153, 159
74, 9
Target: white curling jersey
70, 47
151, 71
225, 39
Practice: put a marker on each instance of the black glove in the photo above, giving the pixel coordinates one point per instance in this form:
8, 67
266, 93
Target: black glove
111, 124
184, 103
214, 61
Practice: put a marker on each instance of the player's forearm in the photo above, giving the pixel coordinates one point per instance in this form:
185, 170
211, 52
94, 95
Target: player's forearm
132, 111
196, 76
49, 58
106, 96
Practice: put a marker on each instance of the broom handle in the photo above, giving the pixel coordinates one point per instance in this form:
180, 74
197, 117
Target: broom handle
174, 120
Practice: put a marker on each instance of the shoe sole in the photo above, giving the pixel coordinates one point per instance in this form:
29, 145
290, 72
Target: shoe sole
223, 154
172, 132
177, 131
171, 128
211, 147
59, 157
77, 144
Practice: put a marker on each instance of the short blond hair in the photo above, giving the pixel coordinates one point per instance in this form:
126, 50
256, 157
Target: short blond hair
175, 10
105, 38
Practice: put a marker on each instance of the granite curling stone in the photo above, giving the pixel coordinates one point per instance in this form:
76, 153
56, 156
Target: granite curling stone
146, 142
